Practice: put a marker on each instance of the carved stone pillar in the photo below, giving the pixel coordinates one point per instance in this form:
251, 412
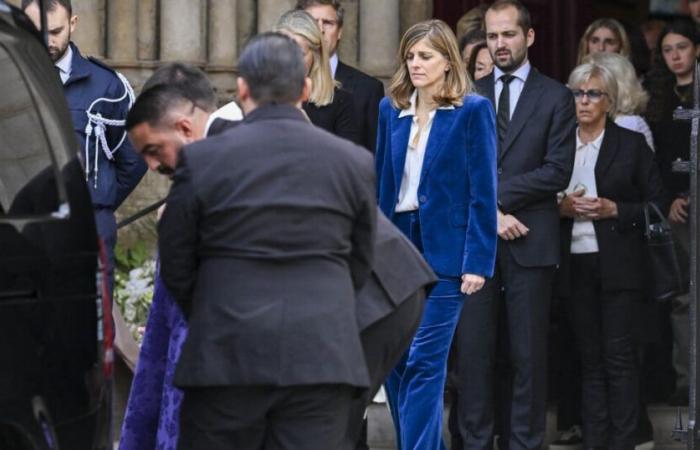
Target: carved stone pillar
379, 36
247, 21
181, 31
147, 25
222, 32
413, 11
348, 47
271, 10
122, 30
89, 34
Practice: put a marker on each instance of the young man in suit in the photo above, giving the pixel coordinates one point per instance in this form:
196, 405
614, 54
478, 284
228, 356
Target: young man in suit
367, 91
536, 132
263, 247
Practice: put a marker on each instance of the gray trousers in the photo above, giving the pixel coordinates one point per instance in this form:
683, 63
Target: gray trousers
680, 317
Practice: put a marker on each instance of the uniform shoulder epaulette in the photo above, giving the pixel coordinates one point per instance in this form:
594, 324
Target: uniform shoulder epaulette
100, 63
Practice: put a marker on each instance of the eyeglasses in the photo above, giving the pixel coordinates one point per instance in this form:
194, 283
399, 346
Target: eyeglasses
594, 95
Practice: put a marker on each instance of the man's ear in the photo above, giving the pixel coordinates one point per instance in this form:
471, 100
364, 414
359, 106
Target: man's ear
530, 37
242, 89
306, 90
73, 23
185, 127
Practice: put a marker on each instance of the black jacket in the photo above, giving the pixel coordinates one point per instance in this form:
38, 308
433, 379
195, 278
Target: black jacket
627, 174
338, 117
263, 243
534, 163
366, 92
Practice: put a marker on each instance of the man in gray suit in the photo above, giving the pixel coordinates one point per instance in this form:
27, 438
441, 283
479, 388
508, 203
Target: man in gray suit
268, 232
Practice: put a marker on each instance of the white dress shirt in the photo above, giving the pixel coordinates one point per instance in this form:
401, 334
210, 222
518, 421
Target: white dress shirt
583, 238
515, 86
417, 142
334, 64
65, 64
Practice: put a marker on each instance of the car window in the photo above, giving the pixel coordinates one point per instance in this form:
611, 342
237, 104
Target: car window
26, 161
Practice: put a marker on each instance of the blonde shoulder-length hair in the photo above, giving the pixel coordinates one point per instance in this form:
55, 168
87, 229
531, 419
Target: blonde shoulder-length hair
441, 38
632, 99
300, 23
611, 24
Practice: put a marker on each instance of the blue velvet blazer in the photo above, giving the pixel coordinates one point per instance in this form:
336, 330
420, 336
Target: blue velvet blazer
457, 189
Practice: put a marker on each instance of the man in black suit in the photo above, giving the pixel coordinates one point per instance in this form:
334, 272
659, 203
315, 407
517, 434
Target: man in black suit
367, 91
536, 131
263, 243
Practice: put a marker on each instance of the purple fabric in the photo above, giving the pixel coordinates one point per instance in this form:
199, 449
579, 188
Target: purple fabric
152, 413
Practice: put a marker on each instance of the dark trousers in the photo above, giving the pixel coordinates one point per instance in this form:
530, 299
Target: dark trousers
384, 342
106, 225
603, 323
522, 294
310, 417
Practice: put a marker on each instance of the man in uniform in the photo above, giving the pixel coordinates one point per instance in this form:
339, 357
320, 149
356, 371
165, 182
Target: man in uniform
98, 99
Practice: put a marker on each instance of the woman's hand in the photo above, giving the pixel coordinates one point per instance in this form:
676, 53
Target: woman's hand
595, 208
679, 210
472, 283
567, 206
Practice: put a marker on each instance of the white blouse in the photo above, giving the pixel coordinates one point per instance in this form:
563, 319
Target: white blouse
415, 153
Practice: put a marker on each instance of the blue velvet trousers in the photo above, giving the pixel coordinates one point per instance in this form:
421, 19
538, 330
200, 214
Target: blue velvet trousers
415, 386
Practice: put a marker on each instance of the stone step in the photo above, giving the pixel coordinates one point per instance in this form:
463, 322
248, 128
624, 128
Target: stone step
380, 430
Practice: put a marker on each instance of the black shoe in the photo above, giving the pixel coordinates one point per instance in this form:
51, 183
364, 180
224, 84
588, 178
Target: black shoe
680, 397
571, 439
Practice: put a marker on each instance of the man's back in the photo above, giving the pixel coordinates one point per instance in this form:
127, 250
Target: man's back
285, 218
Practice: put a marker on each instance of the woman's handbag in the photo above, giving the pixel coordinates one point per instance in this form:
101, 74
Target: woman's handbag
669, 274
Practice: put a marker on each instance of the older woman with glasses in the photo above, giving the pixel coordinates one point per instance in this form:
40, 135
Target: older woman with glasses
603, 274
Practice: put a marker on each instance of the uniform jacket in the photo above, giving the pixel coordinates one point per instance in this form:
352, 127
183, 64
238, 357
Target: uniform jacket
457, 189
267, 235
366, 92
625, 173
114, 180
535, 162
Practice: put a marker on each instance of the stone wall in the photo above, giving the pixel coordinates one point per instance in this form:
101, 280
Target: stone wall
136, 36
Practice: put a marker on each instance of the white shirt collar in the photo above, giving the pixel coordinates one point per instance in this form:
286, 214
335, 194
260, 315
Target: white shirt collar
594, 144
411, 110
66, 62
334, 64
521, 74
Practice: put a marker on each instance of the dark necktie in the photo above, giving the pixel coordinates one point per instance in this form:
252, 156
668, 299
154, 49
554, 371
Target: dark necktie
503, 117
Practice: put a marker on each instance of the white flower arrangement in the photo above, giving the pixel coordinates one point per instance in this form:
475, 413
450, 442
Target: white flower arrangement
133, 292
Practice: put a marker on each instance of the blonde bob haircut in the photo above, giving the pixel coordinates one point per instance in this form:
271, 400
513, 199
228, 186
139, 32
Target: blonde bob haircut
611, 24
632, 99
300, 23
441, 38
584, 72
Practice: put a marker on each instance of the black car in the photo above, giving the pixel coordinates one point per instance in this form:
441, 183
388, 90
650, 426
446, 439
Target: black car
55, 339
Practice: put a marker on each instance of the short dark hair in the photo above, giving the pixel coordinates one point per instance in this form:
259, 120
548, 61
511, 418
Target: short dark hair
471, 37
339, 10
50, 5
272, 65
523, 14
155, 104
188, 77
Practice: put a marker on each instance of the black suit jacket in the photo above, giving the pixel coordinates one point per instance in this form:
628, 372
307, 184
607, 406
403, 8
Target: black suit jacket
535, 162
219, 125
398, 272
366, 92
264, 241
625, 173
338, 117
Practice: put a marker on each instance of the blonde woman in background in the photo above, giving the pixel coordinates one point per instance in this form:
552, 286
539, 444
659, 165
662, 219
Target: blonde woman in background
329, 106
603, 35
631, 99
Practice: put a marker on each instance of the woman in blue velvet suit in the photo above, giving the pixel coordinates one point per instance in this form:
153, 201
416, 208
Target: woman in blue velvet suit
436, 174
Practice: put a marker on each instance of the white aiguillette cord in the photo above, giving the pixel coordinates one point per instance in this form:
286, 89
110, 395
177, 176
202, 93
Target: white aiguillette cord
97, 126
